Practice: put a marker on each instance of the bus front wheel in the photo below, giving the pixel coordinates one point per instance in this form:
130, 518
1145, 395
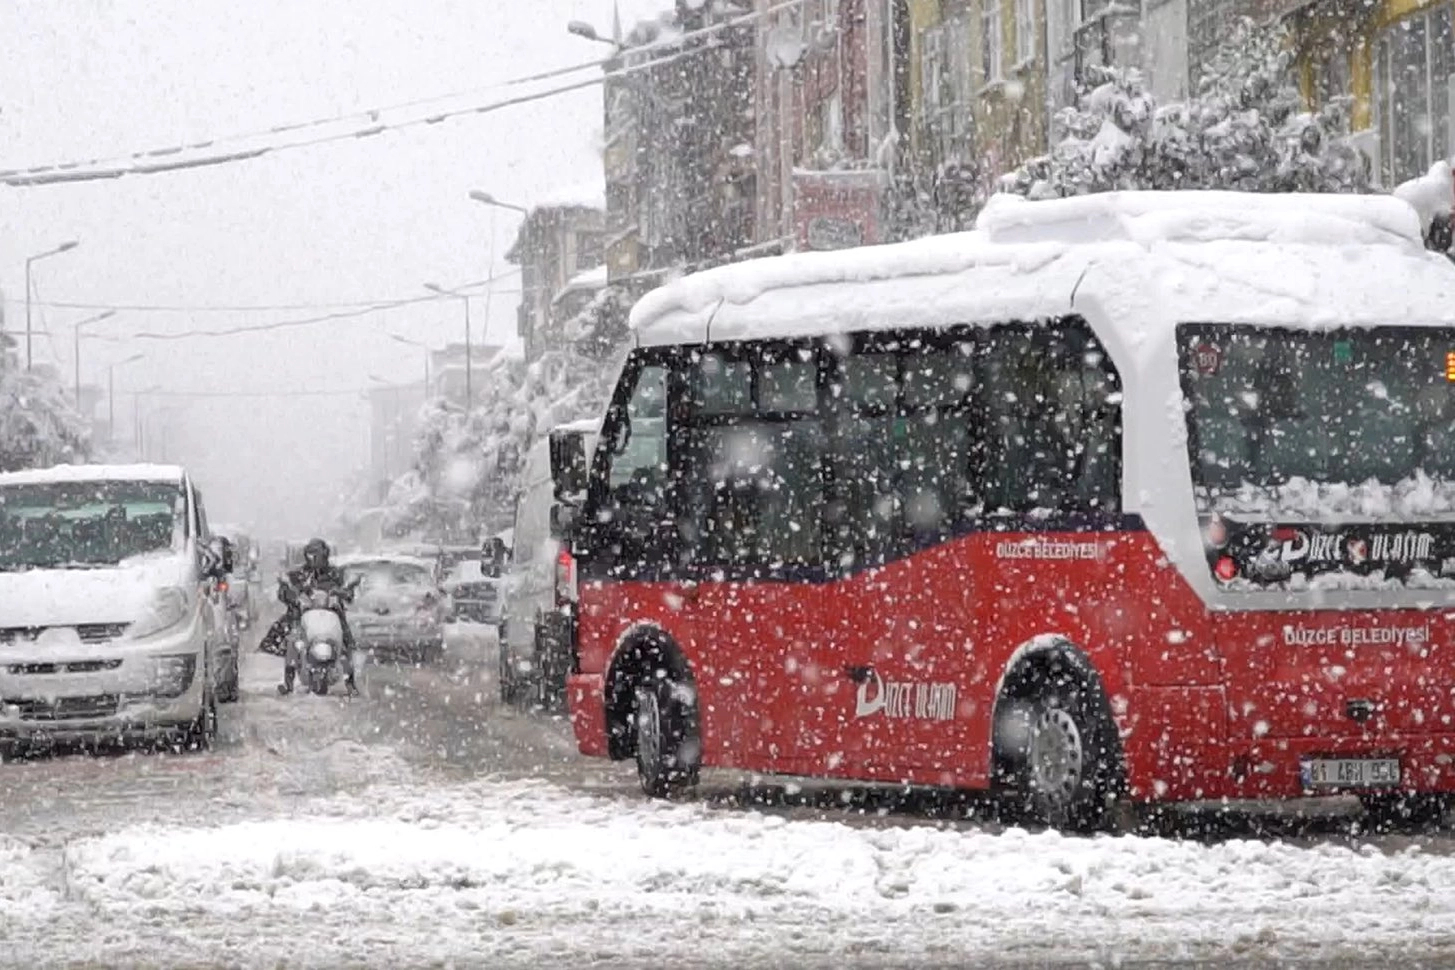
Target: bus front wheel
1068, 776
667, 757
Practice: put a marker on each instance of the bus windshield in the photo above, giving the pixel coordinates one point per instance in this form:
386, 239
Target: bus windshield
1349, 423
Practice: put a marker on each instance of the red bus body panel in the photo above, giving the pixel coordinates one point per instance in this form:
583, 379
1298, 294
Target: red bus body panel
1207, 705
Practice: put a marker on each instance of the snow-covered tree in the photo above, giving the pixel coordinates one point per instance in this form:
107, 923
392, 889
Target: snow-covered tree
1244, 130
38, 425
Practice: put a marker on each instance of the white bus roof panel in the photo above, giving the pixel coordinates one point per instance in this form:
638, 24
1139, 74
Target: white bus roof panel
1318, 261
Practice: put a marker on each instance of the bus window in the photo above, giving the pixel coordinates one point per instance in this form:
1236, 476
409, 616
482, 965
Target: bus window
756, 490
638, 474
1053, 409
904, 449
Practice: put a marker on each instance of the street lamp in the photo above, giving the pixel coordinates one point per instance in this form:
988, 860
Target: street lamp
582, 29
469, 371
485, 198
64, 247
423, 346
76, 351
111, 394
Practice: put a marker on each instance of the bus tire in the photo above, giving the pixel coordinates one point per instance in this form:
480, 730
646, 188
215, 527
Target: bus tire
1069, 777
666, 752
1403, 811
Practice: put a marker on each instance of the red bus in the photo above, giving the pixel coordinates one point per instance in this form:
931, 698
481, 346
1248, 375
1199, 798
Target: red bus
1133, 498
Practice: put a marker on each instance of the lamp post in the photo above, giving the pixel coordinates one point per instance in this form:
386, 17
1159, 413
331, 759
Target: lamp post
485, 198
76, 350
469, 363
64, 247
111, 394
582, 29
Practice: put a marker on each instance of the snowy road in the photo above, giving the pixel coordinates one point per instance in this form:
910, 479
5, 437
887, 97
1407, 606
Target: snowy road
422, 825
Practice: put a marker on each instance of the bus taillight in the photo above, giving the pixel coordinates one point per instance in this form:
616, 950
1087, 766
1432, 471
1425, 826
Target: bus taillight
565, 578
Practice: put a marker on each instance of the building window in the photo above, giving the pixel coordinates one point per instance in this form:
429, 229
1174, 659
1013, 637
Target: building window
1414, 71
1025, 31
992, 45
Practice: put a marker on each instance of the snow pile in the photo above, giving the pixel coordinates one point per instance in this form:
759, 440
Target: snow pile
1415, 499
38, 424
1432, 195
1244, 130
512, 867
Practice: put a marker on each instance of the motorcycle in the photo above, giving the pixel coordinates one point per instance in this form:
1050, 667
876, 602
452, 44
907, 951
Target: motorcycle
318, 639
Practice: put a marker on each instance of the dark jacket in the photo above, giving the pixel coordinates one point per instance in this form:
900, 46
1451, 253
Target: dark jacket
305, 579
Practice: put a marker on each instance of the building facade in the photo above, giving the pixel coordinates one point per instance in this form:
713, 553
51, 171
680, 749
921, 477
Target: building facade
681, 173
556, 242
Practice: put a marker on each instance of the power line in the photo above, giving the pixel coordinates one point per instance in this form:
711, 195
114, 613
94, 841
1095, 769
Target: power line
290, 324
87, 171
332, 392
218, 307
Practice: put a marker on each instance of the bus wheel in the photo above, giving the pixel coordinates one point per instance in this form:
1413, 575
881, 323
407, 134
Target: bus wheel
667, 758
1069, 773
1387, 812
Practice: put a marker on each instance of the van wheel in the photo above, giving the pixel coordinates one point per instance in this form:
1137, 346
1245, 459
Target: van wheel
231, 688
201, 734
1069, 775
667, 754
509, 686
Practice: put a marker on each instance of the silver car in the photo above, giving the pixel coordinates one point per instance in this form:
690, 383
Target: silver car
399, 611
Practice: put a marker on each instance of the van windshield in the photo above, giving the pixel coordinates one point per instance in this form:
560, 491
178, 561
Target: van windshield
77, 525
1349, 423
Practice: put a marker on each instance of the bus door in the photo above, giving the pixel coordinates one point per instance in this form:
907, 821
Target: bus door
754, 516
902, 450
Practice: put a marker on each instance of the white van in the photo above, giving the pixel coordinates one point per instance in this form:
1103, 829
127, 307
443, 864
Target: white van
110, 621
534, 640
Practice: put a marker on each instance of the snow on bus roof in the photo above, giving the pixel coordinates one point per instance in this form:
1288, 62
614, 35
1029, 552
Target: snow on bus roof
584, 426
94, 473
1024, 259
1191, 217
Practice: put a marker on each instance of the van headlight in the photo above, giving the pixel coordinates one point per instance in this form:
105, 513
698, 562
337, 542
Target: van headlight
174, 674
167, 609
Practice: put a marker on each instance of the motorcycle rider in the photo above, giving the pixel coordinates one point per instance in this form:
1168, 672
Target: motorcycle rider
315, 574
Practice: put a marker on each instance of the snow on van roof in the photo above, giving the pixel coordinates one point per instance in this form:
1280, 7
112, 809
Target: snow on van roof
94, 473
585, 426
1319, 260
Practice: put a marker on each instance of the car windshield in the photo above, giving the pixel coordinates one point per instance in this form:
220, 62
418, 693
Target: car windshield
86, 524
380, 576
1341, 422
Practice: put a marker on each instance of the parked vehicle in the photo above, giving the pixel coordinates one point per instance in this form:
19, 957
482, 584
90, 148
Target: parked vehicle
399, 611
535, 617
109, 623
1125, 499
474, 594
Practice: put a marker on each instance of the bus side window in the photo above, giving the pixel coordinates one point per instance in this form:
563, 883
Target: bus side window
1053, 422
906, 444
756, 491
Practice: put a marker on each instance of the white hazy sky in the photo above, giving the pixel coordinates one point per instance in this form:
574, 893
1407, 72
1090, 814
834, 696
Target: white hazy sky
359, 220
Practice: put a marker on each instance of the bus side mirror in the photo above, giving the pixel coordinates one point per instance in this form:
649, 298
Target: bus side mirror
568, 465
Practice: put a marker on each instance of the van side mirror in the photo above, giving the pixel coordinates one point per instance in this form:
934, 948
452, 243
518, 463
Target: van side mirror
563, 520
216, 559
568, 464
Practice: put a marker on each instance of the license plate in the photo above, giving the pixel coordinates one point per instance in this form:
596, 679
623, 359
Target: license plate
1350, 772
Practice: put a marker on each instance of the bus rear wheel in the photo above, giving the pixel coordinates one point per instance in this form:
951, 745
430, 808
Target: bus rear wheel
667, 756
1068, 777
